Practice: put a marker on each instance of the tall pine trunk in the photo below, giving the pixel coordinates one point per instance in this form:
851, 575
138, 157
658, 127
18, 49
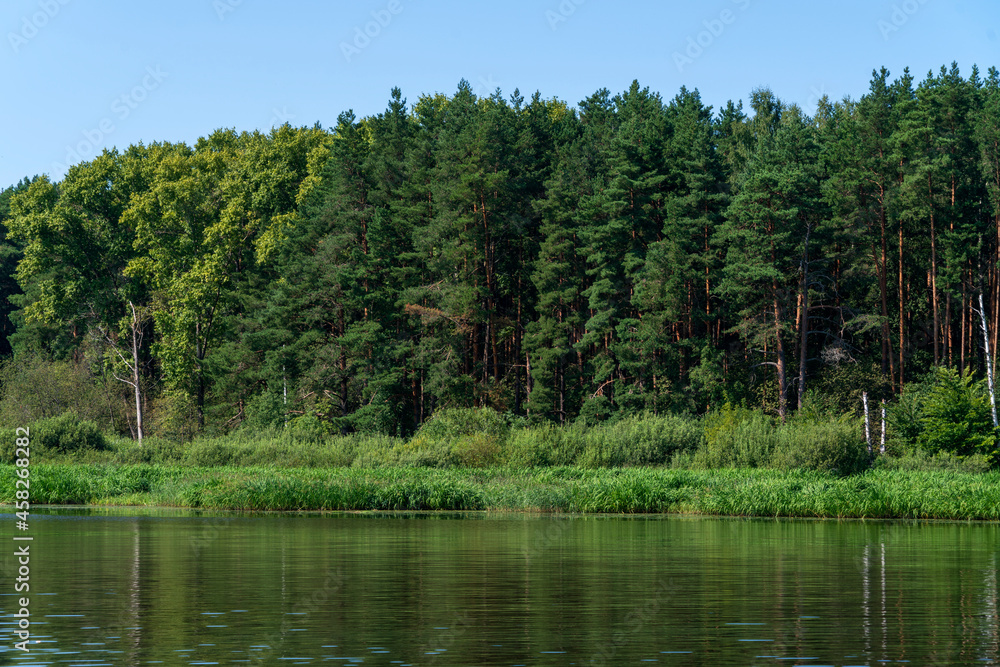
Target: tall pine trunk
780, 363
934, 294
804, 318
883, 283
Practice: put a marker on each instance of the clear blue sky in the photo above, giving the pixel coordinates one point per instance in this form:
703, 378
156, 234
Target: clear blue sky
83, 75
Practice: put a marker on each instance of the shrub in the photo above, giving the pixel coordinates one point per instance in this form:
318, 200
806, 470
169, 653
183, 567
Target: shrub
66, 434
477, 451
904, 427
423, 453
956, 416
210, 452
833, 445
923, 461
640, 440
842, 380
265, 411
545, 445
174, 416
35, 389
308, 428
595, 410
152, 450
737, 437
454, 423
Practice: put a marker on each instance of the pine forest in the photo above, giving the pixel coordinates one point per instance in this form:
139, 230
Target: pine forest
629, 255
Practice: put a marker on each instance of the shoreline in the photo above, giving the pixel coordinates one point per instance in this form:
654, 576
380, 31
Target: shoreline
134, 511
750, 493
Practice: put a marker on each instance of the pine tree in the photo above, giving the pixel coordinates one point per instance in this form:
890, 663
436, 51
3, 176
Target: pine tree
768, 234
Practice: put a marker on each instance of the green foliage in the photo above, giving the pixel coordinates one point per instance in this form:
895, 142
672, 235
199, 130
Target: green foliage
174, 416
417, 453
34, 388
308, 428
595, 410
955, 416
840, 383
924, 461
640, 440
545, 445
736, 437
905, 426
631, 255
814, 439
152, 450
454, 423
478, 450
66, 434
835, 446
265, 410
877, 493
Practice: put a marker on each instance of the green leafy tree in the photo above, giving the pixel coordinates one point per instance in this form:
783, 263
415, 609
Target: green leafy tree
77, 247
768, 237
185, 254
956, 415
10, 255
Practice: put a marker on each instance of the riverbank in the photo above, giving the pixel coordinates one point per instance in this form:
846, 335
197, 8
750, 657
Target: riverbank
881, 494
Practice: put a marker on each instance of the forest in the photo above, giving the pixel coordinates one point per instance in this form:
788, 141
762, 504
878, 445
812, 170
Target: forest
625, 256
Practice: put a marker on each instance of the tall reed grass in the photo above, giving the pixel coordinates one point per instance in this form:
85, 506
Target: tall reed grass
878, 493
729, 438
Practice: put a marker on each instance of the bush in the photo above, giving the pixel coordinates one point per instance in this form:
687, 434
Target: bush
174, 416
453, 423
66, 434
904, 428
956, 416
152, 450
737, 437
545, 445
211, 452
423, 453
832, 445
308, 428
265, 411
35, 389
922, 461
477, 450
640, 440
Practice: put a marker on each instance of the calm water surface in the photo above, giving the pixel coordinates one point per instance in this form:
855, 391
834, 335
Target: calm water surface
116, 587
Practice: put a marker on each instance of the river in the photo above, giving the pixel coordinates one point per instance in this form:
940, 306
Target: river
137, 587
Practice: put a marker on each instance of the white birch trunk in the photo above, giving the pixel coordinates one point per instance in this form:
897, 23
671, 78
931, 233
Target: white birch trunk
881, 449
868, 432
989, 363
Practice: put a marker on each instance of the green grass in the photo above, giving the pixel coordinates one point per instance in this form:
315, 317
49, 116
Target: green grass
879, 493
731, 462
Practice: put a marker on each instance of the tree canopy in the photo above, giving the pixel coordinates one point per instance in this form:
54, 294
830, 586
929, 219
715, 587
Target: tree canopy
630, 254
